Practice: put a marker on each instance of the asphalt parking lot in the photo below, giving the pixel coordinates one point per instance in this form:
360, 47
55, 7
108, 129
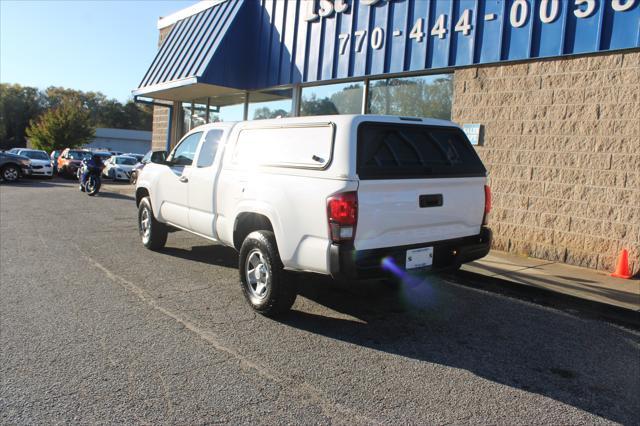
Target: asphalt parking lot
96, 329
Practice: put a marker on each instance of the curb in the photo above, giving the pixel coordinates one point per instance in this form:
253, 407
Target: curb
571, 304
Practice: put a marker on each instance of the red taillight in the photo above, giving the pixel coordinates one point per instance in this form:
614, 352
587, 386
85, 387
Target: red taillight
342, 214
487, 205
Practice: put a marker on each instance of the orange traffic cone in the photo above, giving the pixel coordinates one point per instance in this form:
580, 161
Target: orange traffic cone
622, 267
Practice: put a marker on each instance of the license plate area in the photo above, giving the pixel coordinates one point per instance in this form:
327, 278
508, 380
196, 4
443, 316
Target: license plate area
419, 258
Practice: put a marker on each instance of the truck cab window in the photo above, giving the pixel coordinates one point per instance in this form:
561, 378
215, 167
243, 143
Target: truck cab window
209, 148
182, 155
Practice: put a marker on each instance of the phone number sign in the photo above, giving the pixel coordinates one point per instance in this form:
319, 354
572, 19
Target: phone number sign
349, 38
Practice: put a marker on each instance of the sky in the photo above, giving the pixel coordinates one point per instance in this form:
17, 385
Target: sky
90, 45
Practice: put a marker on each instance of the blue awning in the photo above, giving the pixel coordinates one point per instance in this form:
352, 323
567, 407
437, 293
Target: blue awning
249, 45
192, 45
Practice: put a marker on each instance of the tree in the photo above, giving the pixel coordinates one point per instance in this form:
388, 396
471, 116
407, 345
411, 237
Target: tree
266, 112
416, 97
67, 125
314, 106
18, 106
349, 99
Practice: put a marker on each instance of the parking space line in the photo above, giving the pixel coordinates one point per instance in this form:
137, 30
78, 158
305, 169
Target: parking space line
330, 408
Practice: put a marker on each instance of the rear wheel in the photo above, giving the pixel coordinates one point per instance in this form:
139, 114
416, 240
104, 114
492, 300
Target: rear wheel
10, 173
92, 186
152, 232
265, 283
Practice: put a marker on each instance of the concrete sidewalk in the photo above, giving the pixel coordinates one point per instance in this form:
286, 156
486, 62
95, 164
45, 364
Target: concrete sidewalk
578, 282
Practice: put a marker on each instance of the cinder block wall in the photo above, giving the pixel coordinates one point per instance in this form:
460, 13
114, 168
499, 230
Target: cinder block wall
160, 128
562, 146
160, 114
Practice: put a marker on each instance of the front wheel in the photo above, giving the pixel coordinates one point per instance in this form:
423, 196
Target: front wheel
10, 173
92, 186
152, 232
264, 282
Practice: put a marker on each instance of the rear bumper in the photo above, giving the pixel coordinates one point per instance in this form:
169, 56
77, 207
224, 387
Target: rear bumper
347, 262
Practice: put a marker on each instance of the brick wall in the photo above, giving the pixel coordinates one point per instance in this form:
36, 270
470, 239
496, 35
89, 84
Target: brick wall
562, 146
160, 114
160, 128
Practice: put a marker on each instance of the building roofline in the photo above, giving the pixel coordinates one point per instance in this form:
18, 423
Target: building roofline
169, 20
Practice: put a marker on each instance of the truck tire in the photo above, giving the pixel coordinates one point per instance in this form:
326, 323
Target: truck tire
265, 284
10, 173
152, 232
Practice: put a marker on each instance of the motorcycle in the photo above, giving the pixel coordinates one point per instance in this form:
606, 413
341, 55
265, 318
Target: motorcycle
92, 185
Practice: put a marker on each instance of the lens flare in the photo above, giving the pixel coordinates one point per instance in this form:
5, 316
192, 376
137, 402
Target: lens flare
417, 291
389, 265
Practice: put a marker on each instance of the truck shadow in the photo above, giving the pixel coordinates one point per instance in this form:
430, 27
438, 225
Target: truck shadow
503, 340
115, 195
211, 254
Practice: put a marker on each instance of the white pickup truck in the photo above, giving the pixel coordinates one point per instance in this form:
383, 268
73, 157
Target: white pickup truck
351, 196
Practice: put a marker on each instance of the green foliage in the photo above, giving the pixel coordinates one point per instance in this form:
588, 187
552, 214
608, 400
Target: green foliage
415, 97
266, 112
315, 106
66, 125
19, 105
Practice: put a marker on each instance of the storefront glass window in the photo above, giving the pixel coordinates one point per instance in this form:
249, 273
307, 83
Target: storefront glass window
199, 113
193, 114
222, 108
424, 96
270, 104
345, 98
227, 108
186, 118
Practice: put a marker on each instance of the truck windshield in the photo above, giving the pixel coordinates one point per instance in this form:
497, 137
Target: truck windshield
407, 151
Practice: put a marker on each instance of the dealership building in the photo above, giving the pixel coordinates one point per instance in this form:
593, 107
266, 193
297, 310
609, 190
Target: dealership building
547, 90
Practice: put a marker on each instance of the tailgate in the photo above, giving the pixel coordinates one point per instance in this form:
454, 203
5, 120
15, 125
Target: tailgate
402, 212
418, 183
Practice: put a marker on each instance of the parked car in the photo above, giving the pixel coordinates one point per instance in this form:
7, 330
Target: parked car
13, 166
119, 167
350, 196
54, 159
138, 157
41, 164
139, 166
70, 160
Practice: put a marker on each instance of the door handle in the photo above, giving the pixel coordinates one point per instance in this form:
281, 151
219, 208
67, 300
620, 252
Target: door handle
430, 200
184, 179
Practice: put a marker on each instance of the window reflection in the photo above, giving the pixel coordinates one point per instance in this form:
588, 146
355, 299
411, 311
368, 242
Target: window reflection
425, 96
344, 98
270, 104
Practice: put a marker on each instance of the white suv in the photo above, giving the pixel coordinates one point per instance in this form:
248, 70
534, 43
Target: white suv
351, 196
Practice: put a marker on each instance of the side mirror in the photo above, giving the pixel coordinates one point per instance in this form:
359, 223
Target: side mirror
158, 157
